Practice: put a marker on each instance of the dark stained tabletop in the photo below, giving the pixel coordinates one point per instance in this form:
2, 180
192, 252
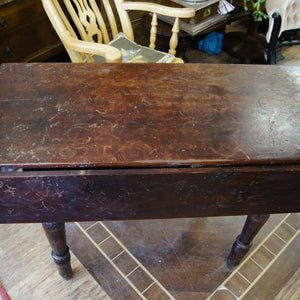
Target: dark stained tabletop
98, 115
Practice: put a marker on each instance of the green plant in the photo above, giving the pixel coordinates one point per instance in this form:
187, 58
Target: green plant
259, 9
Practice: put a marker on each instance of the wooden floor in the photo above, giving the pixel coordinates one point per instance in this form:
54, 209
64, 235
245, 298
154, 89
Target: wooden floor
27, 271
157, 259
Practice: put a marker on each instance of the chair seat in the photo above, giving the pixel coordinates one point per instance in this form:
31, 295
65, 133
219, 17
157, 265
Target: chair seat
290, 62
134, 53
291, 55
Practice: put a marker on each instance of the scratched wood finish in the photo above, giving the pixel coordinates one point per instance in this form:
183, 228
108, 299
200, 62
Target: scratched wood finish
70, 115
147, 193
223, 145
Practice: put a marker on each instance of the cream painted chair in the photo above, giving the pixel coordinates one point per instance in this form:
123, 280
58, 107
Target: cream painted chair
284, 15
81, 27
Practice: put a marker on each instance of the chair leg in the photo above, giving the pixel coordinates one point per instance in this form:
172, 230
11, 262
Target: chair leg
243, 242
56, 235
272, 49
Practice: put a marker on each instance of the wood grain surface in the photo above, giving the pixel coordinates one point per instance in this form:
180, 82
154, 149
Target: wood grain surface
96, 115
63, 196
117, 141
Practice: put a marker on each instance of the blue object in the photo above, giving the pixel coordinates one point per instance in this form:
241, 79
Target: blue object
212, 43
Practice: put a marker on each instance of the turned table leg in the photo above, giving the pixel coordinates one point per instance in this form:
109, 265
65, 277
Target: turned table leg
243, 242
56, 235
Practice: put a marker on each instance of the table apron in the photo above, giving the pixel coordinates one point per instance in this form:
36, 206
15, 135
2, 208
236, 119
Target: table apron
79, 195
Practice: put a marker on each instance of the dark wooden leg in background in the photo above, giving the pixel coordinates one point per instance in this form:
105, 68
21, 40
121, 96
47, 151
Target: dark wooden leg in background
56, 235
243, 242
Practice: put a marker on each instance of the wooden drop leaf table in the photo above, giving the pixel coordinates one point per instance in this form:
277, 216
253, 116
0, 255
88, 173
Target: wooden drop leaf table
84, 142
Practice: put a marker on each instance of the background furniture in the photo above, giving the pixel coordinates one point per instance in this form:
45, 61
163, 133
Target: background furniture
206, 16
99, 142
94, 38
26, 33
206, 20
283, 16
248, 46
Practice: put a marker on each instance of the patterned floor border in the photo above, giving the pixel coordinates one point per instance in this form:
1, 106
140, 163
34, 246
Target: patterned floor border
153, 282
238, 283
234, 287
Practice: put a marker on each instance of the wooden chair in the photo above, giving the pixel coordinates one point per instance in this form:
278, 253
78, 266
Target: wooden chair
284, 17
81, 26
